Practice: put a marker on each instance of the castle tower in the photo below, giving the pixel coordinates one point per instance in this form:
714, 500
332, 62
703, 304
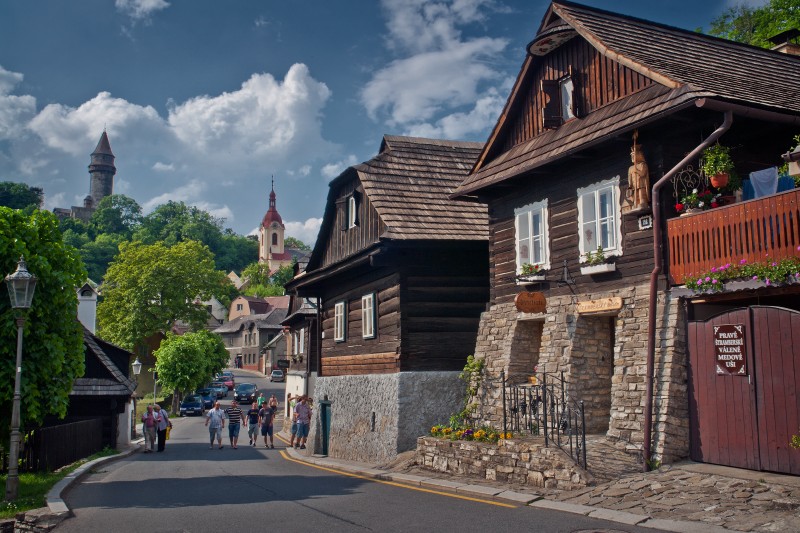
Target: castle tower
270, 236
102, 170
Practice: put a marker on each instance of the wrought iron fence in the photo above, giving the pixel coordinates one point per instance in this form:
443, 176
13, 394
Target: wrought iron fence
546, 408
49, 448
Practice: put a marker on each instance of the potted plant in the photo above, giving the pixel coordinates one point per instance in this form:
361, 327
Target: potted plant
530, 273
717, 164
596, 263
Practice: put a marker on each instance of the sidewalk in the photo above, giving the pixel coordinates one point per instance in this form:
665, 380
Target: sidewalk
686, 497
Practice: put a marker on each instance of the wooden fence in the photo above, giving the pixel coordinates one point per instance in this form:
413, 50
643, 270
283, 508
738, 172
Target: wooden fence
49, 448
765, 229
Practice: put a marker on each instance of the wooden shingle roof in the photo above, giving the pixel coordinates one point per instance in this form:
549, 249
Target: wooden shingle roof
409, 183
113, 382
686, 65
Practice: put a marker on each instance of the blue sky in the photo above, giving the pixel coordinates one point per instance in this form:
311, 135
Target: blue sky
205, 100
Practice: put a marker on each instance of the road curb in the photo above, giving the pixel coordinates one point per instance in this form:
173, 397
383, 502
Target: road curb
54, 500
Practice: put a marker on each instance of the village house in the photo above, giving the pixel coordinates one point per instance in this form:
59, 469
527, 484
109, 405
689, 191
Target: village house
401, 276
252, 323
302, 336
595, 155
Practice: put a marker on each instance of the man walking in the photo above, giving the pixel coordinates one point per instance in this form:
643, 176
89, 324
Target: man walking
251, 423
234, 415
266, 416
163, 423
149, 424
303, 412
215, 422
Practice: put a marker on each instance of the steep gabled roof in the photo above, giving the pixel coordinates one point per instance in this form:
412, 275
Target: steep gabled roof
115, 383
686, 65
103, 146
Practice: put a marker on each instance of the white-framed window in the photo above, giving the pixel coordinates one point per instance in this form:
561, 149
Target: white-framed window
532, 236
352, 212
368, 316
238, 307
599, 218
567, 88
339, 321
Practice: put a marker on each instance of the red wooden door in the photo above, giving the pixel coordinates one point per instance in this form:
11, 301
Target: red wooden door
747, 421
776, 339
722, 408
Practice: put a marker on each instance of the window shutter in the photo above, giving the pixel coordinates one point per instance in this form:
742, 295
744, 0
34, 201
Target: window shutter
357, 201
341, 209
551, 107
576, 91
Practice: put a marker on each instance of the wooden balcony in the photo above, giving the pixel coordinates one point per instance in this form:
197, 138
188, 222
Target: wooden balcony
757, 230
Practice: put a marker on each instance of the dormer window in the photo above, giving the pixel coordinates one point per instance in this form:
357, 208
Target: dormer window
558, 101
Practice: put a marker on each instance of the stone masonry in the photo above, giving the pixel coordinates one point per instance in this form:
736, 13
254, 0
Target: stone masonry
610, 379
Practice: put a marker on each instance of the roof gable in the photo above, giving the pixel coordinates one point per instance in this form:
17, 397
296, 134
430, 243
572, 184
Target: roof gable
681, 66
408, 184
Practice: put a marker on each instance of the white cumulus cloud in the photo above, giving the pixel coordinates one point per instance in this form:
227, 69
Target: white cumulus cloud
331, 170
15, 111
140, 9
305, 231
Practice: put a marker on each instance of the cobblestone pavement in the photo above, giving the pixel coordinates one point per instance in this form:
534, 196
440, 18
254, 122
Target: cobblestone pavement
730, 498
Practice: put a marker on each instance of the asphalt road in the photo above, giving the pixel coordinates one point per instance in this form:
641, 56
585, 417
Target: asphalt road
191, 488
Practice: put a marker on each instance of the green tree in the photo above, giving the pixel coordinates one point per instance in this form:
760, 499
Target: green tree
755, 25
99, 253
235, 251
117, 214
265, 283
53, 354
291, 242
148, 288
184, 362
20, 196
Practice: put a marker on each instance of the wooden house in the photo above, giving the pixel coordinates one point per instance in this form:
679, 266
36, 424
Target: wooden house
401, 275
599, 140
303, 338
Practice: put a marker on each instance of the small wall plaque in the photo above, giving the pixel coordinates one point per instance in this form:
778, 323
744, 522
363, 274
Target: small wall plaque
646, 222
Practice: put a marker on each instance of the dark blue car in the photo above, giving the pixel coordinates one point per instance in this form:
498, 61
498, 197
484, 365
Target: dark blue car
209, 397
193, 405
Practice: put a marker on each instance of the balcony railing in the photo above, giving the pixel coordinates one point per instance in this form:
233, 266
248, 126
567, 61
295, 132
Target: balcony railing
756, 230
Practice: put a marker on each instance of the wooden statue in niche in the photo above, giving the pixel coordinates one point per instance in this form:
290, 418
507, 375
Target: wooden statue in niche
637, 196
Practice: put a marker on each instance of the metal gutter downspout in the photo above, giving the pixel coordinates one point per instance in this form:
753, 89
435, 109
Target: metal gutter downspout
658, 260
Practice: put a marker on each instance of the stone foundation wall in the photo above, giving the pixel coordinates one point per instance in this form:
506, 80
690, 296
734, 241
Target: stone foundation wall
375, 417
524, 463
611, 379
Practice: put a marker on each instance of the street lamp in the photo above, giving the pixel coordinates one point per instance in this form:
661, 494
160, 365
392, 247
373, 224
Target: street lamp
137, 367
21, 285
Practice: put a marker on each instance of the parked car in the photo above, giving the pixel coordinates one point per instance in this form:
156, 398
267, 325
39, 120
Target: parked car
245, 393
277, 375
209, 396
192, 405
221, 388
228, 379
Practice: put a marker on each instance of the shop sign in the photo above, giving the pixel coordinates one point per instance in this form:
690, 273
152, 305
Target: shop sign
531, 302
602, 306
282, 363
729, 349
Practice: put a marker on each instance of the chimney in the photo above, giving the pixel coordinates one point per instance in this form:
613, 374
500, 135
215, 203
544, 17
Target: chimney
87, 306
786, 42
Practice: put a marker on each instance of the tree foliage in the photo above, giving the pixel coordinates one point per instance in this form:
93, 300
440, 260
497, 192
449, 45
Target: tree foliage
20, 195
148, 288
185, 362
118, 215
755, 25
53, 353
264, 283
297, 244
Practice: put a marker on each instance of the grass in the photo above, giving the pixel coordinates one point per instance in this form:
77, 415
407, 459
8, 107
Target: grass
33, 487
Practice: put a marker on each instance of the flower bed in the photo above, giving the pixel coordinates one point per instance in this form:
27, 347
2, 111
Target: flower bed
768, 272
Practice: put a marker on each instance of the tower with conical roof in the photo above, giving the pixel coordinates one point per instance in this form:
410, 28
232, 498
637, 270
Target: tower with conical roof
101, 171
270, 237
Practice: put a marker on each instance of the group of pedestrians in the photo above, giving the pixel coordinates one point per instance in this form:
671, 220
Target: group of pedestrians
260, 416
301, 420
155, 422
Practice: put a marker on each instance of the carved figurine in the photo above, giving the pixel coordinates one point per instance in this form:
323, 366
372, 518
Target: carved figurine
638, 193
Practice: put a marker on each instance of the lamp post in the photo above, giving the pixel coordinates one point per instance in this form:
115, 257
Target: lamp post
21, 285
137, 367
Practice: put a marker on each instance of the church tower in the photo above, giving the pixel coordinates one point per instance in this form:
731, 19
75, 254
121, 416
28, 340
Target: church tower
270, 237
101, 170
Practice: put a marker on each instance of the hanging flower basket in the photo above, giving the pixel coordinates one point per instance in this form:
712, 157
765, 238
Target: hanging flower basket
720, 180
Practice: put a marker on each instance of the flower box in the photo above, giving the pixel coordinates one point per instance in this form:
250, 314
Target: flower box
598, 269
527, 280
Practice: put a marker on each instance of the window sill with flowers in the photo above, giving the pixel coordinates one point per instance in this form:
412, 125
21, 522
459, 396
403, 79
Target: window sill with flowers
768, 273
530, 273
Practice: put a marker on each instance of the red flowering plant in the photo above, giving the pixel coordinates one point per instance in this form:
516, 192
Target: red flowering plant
698, 200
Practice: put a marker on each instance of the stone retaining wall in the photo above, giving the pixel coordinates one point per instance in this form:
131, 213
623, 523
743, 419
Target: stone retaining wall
526, 462
39, 520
